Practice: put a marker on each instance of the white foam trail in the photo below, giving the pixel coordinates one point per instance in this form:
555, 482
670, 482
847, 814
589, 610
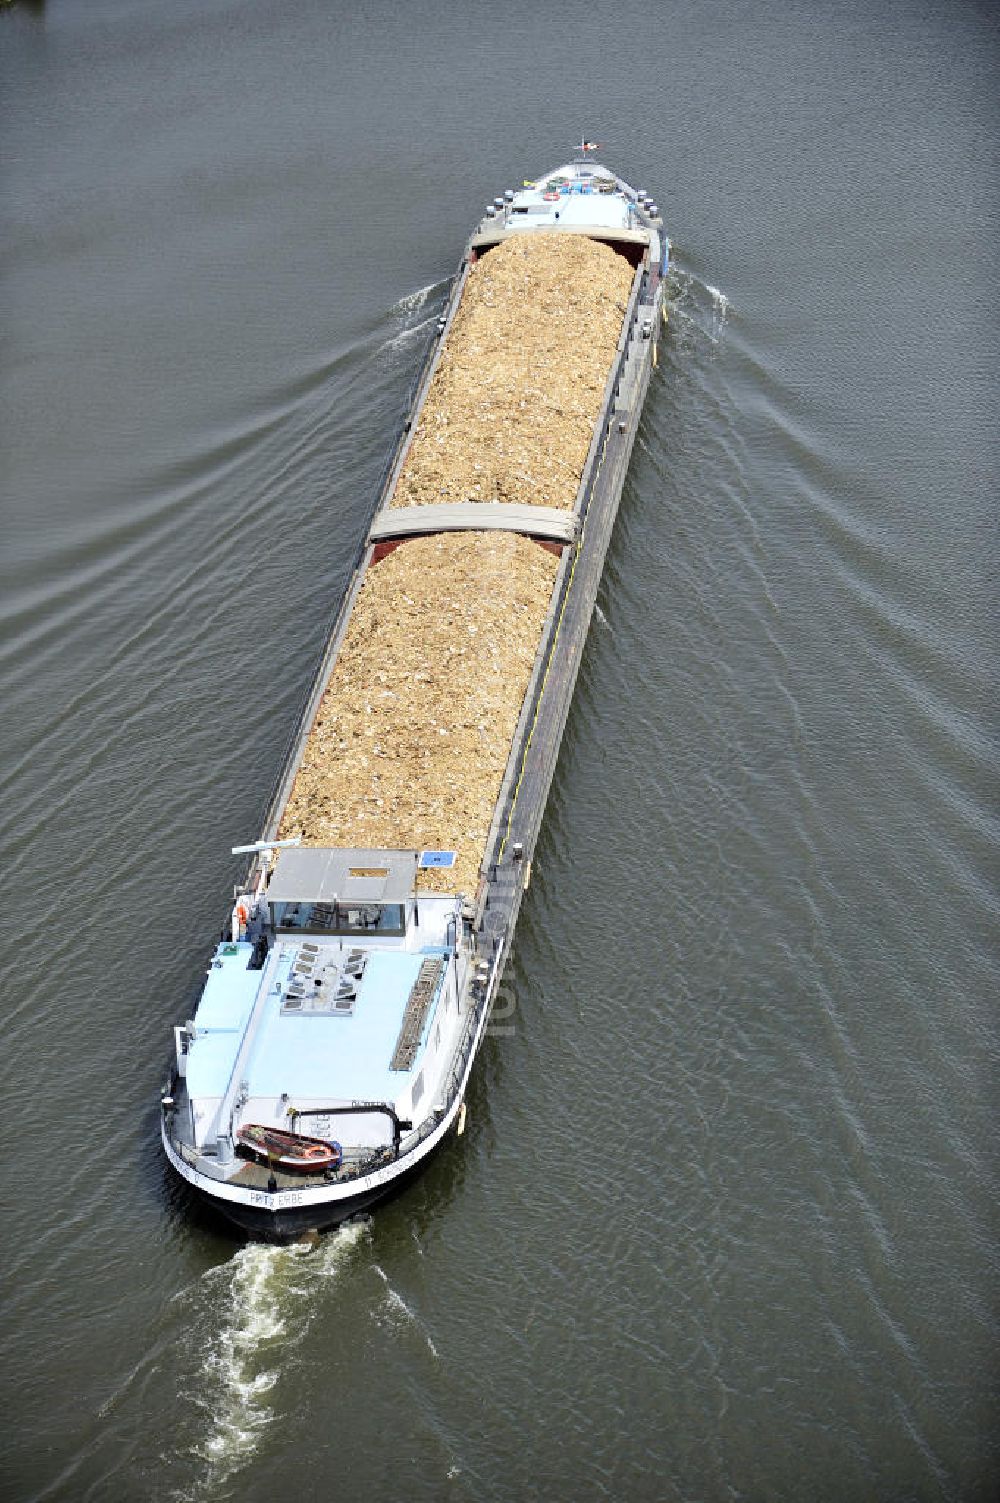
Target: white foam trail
236, 1360
266, 1296
720, 310
687, 305
415, 300
396, 1305
601, 617
405, 335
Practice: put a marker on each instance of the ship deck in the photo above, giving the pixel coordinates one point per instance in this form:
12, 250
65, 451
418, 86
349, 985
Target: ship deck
319, 1056
341, 1058
258, 1176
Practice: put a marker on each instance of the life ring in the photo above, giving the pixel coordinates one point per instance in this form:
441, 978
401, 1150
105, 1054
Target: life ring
242, 914
550, 196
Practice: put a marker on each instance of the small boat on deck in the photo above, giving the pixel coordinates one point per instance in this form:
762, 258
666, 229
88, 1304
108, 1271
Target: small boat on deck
290, 1151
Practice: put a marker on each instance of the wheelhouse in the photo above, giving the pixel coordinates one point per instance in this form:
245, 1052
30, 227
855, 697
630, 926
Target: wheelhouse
342, 893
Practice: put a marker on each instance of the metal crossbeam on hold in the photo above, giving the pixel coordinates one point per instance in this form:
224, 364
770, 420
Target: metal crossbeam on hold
421, 996
551, 522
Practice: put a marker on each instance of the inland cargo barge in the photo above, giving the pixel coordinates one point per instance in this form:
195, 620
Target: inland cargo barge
330, 1049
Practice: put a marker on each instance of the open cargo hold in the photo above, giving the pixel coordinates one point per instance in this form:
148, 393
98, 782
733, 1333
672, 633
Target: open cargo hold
413, 733
511, 410
411, 739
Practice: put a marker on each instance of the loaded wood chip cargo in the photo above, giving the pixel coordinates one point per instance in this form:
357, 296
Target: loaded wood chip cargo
511, 410
412, 737
413, 734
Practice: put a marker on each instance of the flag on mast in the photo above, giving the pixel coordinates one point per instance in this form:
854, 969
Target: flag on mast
586, 145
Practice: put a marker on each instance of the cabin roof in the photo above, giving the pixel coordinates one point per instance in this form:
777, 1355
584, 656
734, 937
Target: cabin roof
321, 874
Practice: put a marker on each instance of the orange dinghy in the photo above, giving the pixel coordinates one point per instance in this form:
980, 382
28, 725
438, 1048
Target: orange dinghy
289, 1150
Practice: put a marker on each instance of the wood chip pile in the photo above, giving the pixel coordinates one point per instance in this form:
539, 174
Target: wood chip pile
412, 737
511, 409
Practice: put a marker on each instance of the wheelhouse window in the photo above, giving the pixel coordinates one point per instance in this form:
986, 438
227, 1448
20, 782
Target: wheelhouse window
387, 919
349, 892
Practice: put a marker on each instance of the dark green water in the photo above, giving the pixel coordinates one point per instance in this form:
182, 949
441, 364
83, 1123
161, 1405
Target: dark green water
723, 1223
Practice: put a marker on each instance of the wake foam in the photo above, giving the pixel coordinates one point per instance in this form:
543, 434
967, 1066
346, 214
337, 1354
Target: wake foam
720, 309
402, 339
414, 301
413, 316
255, 1310
701, 308
395, 1310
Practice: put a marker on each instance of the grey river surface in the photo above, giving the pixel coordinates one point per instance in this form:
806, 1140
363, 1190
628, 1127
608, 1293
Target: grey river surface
723, 1222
